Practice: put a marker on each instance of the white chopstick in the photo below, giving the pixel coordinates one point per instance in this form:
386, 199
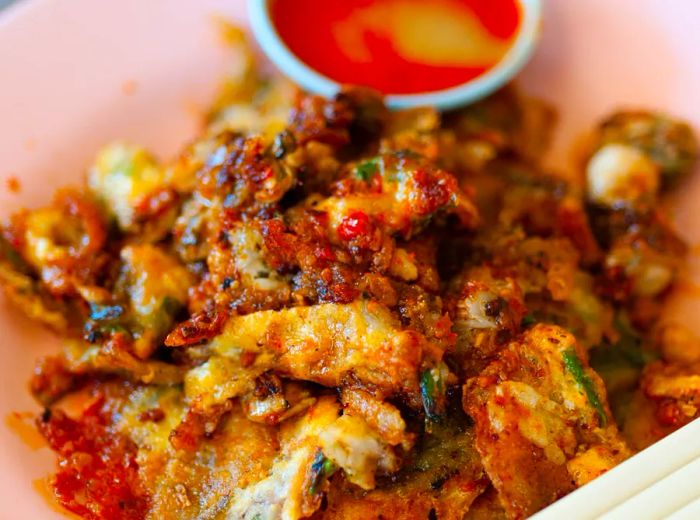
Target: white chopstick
664, 498
689, 512
627, 484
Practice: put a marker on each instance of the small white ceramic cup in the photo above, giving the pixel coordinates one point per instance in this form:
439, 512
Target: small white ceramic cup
313, 81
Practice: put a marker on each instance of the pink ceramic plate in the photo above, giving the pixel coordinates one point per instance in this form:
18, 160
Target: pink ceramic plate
78, 73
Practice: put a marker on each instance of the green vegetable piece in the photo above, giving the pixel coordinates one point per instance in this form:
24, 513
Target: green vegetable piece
321, 468
163, 318
171, 305
432, 391
573, 365
528, 321
116, 328
627, 352
366, 170
630, 343
8, 252
620, 364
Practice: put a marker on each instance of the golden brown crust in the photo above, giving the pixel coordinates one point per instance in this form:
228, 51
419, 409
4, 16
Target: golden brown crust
351, 313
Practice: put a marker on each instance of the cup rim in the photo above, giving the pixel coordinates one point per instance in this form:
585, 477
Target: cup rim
309, 79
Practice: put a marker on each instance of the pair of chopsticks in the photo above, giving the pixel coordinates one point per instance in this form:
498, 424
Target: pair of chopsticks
661, 482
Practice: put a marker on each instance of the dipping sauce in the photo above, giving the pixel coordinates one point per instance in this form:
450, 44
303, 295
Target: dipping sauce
398, 46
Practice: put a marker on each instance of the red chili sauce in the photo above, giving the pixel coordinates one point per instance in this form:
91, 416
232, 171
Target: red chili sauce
398, 46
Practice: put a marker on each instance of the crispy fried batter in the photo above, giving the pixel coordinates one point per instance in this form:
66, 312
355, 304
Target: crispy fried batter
354, 313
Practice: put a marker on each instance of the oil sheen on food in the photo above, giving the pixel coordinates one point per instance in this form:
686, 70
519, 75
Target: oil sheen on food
399, 46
